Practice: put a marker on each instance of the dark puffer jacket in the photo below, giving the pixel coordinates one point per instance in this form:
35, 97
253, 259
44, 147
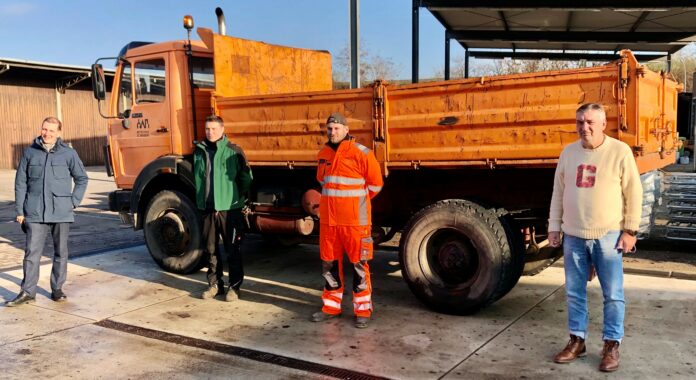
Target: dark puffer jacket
44, 190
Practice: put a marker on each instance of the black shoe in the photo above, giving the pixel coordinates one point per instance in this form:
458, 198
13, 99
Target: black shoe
21, 299
58, 296
320, 316
361, 322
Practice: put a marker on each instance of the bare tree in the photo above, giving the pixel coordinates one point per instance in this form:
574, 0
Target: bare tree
492, 67
515, 66
379, 67
682, 70
372, 66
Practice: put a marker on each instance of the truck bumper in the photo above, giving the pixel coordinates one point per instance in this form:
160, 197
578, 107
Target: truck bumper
119, 201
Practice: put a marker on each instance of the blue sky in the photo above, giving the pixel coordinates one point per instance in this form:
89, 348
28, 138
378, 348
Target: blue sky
76, 32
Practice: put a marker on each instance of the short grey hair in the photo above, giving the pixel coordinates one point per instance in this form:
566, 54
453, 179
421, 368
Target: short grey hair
591, 107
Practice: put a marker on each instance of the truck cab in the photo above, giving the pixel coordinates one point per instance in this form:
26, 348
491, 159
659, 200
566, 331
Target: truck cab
153, 104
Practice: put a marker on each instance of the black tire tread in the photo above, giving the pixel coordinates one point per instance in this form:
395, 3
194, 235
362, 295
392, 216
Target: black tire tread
195, 260
509, 275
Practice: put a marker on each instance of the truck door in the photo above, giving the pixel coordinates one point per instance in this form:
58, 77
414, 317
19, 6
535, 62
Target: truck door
143, 133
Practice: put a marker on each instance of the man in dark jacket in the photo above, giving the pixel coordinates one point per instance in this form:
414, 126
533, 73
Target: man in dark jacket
222, 178
44, 201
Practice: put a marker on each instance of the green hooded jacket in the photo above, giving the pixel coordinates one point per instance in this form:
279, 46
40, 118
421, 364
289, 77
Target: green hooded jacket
231, 175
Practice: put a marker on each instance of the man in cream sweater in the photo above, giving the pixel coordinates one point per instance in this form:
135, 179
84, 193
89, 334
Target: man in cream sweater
596, 202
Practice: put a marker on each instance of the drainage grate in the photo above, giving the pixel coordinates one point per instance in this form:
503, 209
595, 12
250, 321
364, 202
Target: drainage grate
246, 353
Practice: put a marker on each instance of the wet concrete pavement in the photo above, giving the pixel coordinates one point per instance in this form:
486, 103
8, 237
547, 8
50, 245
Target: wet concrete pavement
125, 318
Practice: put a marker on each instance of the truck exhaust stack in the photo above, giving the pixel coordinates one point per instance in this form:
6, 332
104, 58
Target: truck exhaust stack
222, 28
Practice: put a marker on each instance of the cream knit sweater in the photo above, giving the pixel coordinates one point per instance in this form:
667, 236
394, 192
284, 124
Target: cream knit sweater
596, 190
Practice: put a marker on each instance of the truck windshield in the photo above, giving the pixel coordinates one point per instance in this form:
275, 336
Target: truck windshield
125, 89
150, 81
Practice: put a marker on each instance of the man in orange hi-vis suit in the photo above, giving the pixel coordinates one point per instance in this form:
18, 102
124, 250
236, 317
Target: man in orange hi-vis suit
350, 176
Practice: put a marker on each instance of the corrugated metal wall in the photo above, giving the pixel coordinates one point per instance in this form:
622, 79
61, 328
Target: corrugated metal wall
83, 127
25, 103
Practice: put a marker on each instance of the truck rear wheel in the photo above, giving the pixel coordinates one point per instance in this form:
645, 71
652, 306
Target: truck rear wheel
173, 232
456, 257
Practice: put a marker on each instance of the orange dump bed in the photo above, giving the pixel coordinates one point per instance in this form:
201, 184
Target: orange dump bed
246, 67
519, 120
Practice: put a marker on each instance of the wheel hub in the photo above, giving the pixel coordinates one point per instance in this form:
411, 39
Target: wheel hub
173, 234
452, 257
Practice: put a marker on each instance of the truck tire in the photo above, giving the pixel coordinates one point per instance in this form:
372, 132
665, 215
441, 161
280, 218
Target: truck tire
456, 257
538, 259
516, 243
173, 232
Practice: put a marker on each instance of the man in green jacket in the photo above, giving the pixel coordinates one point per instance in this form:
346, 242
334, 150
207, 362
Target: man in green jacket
223, 177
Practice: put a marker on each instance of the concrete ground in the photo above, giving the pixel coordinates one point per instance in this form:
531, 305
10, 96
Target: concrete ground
95, 227
125, 318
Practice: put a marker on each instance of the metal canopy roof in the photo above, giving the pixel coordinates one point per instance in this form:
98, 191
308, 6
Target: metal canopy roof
610, 25
45, 69
589, 29
63, 76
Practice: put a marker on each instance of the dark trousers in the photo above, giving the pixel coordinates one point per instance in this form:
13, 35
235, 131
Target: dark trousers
229, 226
36, 238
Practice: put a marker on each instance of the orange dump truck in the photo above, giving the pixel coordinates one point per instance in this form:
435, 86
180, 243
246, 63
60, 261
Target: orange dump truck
468, 164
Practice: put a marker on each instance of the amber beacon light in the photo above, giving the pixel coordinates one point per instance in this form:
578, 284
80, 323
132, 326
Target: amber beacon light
188, 22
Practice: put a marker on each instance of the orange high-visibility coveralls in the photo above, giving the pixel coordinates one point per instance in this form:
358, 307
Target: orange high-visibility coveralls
350, 177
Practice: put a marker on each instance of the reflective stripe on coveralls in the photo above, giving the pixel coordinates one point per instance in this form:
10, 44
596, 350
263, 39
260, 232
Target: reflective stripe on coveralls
351, 171
335, 240
343, 193
332, 301
349, 176
362, 288
344, 180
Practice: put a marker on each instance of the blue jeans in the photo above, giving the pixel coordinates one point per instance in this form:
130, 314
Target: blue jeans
578, 255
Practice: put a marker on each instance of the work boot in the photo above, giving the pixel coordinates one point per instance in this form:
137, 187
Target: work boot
232, 294
320, 316
58, 296
21, 299
361, 322
211, 292
610, 356
574, 349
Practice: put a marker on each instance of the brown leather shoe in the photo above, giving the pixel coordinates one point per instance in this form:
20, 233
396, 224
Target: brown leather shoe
574, 349
610, 356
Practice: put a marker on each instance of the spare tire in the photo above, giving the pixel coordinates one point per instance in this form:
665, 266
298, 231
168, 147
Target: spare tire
456, 258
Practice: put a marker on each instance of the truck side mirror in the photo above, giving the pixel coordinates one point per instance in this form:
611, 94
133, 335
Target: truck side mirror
98, 82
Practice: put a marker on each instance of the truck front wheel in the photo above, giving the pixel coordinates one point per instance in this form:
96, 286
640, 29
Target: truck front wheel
456, 257
173, 232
